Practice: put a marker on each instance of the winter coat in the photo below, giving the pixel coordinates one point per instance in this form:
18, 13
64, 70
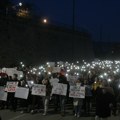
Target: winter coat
103, 99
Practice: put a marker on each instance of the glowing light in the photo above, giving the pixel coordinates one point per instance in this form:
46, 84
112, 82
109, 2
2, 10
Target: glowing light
109, 80
39, 73
32, 82
66, 75
21, 76
101, 76
105, 74
33, 72
20, 4
45, 21
49, 73
23, 65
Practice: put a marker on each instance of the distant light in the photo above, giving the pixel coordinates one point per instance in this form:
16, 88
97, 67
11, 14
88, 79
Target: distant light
32, 82
23, 65
20, 4
109, 80
66, 75
49, 73
39, 73
101, 76
21, 76
45, 21
105, 74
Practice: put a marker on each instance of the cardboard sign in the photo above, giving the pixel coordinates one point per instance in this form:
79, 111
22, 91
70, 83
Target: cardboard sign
11, 86
59, 89
77, 92
22, 93
3, 94
39, 89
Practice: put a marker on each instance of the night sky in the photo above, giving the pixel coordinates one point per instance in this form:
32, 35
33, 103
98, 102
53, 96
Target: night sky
99, 17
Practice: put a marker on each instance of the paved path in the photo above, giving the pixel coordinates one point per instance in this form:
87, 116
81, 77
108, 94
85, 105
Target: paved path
8, 115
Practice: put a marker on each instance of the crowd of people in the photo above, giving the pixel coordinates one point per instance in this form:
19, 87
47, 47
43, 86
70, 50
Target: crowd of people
100, 79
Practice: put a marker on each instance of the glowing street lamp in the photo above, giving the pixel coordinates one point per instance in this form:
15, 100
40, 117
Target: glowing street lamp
20, 4
45, 21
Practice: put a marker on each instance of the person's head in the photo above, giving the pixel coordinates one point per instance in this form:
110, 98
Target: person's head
46, 81
78, 81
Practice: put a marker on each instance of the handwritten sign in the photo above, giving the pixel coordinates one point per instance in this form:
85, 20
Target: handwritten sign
39, 89
3, 94
77, 92
11, 86
21, 92
59, 89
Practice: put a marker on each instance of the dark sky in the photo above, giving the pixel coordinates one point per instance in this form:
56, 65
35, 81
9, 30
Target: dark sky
99, 17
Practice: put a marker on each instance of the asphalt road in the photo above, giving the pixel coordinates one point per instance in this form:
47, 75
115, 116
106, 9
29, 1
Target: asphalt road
8, 115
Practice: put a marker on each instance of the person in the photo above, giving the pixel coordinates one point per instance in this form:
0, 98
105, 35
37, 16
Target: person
88, 97
3, 81
12, 100
63, 80
77, 102
104, 99
48, 93
55, 97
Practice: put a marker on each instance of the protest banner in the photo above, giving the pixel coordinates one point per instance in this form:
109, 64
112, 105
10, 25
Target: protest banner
21, 92
11, 86
39, 89
3, 94
59, 89
77, 92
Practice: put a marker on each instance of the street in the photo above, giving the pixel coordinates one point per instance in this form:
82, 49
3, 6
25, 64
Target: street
8, 115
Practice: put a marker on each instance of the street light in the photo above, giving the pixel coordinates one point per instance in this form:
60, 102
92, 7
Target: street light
20, 4
45, 21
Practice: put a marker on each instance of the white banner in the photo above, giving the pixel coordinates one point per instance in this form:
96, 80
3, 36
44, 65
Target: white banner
39, 89
3, 94
22, 93
11, 86
59, 89
77, 92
